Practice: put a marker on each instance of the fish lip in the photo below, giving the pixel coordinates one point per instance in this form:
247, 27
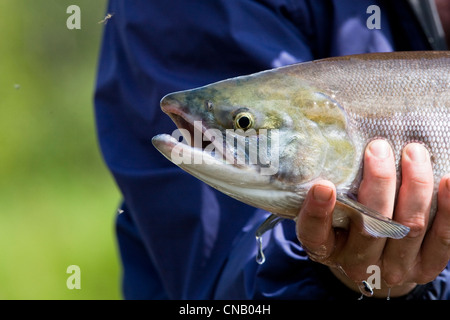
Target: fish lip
184, 120
176, 114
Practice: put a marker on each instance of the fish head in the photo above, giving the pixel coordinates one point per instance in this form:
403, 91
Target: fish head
234, 104
260, 136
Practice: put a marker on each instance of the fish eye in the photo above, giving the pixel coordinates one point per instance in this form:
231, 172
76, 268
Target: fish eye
243, 120
209, 105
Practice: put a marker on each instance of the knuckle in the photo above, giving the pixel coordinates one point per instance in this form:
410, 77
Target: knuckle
442, 236
355, 273
417, 228
426, 277
380, 173
395, 273
427, 270
422, 179
316, 212
428, 274
318, 253
394, 278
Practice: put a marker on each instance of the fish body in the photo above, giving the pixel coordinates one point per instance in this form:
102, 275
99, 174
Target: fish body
315, 119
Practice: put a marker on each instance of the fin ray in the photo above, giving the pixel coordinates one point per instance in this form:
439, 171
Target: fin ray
372, 221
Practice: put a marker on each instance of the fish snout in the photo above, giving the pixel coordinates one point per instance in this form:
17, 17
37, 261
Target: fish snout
170, 102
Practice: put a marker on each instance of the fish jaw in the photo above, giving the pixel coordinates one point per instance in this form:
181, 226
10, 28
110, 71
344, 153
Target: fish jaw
243, 183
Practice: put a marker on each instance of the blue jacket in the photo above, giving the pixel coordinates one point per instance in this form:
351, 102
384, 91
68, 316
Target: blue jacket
179, 238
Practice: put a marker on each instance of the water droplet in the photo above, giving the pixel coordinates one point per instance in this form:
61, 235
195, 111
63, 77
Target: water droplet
260, 258
389, 294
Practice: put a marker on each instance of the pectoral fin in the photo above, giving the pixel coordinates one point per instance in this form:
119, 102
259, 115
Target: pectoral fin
373, 222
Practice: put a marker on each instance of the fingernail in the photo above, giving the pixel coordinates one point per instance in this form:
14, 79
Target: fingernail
322, 193
447, 184
380, 149
417, 153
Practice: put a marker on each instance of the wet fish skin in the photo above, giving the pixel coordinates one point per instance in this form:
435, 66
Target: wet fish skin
326, 112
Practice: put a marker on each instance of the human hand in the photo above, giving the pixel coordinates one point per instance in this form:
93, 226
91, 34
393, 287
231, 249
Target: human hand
416, 259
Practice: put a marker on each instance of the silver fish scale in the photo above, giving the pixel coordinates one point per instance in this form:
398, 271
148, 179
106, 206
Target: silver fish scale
404, 98
429, 128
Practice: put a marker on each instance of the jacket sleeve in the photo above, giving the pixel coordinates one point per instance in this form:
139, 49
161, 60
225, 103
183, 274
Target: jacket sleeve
178, 238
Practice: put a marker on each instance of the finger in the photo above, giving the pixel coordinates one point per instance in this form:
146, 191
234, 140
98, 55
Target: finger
314, 223
412, 210
435, 251
377, 191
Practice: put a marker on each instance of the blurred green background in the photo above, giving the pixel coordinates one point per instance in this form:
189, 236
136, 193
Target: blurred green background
57, 199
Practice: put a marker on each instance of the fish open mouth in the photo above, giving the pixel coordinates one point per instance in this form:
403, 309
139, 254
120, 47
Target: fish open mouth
195, 135
194, 129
